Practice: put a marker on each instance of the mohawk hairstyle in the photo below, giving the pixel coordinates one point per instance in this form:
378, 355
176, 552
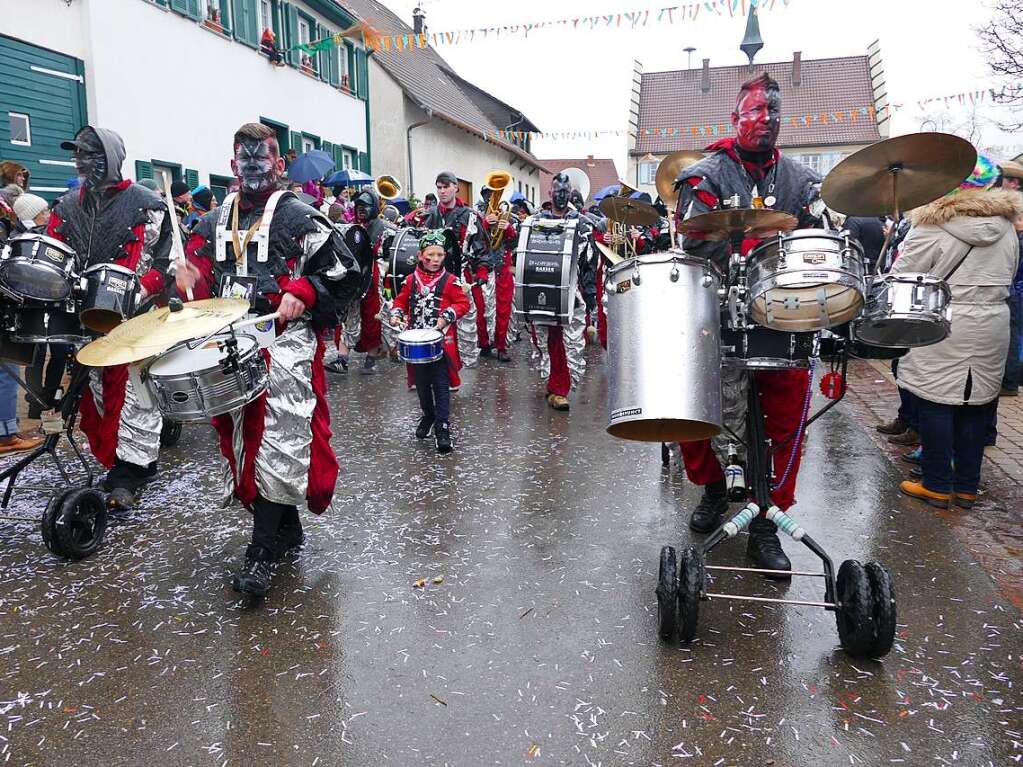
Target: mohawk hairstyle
259, 132
765, 81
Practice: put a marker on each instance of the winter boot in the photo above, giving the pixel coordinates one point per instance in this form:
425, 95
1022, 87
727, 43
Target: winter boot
764, 548
254, 577
424, 427
443, 432
707, 515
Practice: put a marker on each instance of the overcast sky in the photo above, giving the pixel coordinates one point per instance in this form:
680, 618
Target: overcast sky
579, 79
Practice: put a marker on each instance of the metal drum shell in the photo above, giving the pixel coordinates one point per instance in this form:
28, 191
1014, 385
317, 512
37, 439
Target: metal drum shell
48, 324
420, 346
906, 310
111, 296
663, 348
529, 260
200, 394
35, 267
787, 274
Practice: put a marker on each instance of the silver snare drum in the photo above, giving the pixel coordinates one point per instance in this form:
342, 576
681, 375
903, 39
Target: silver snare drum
194, 384
806, 280
906, 310
663, 348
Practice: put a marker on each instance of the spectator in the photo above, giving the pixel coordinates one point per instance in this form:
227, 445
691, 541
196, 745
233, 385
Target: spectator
268, 47
869, 231
1012, 175
289, 157
14, 173
9, 225
967, 238
33, 212
182, 197
336, 213
203, 202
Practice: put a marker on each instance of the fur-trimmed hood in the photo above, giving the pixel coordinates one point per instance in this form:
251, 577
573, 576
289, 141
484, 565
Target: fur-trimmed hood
976, 216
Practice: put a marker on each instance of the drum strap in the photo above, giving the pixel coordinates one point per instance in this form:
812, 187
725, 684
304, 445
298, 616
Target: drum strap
241, 248
955, 268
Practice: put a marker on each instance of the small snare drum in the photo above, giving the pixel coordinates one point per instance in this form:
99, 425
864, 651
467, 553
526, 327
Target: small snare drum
46, 325
420, 346
111, 296
35, 267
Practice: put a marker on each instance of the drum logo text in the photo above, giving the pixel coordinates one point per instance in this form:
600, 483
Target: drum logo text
626, 412
815, 259
54, 255
623, 287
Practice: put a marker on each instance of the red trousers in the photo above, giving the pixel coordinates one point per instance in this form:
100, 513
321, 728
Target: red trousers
601, 315
782, 394
482, 336
504, 292
371, 336
560, 381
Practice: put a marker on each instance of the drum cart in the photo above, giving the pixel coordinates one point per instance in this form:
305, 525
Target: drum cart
861, 596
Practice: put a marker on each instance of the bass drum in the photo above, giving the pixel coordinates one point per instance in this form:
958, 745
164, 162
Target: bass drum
402, 257
663, 348
357, 239
546, 270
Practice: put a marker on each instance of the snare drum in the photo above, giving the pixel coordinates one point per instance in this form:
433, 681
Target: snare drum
805, 280
764, 349
46, 325
420, 346
195, 384
906, 310
111, 296
37, 268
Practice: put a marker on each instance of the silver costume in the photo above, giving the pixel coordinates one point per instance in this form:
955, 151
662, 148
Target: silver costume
138, 430
574, 337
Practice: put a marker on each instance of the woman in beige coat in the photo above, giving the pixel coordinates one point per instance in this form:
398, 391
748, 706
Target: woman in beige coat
958, 380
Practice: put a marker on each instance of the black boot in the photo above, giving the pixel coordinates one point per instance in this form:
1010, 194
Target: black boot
443, 432
707, 515
764, 548
423, 429
503, 356
124, 483
254, 577
290, 536
485, 351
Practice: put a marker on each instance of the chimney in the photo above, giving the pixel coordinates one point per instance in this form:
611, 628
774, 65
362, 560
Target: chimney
419, 21
705, 81
797, 68
589, 161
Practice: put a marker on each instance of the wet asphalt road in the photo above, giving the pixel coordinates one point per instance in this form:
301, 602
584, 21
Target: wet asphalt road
537, 647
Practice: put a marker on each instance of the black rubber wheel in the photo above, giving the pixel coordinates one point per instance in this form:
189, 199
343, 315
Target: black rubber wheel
49, 519
667, 594
81, 522
854, 615
170, 433
690, 586
882, 593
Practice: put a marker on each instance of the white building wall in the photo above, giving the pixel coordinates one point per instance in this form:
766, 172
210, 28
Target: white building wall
388, 124
52, 24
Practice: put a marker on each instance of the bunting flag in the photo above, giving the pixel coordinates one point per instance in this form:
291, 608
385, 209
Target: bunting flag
375, 40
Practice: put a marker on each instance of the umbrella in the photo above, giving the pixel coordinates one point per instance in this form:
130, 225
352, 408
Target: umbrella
349, 177
311, 166
607, 190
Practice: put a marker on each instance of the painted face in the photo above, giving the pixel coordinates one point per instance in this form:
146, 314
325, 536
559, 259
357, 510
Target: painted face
432, 259
446, 193
577, 199
757, 120
256, 166
561, 192
362, 213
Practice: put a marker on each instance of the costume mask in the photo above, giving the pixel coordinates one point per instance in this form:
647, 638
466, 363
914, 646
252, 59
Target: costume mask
757, 118
255, 166
90, 160
561, 191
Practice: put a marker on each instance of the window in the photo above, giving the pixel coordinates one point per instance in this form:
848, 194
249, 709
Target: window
347, 160
303, 30
21, 129
164, 177
266, 15
308, 144
344, 53
647, 172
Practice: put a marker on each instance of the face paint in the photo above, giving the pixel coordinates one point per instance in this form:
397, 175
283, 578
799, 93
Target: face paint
561, 191
361, 214
757, 120
255, 166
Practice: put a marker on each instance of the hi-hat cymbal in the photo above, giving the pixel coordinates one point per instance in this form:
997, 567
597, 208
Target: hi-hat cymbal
898, 174
668, 171
718, 225
155, 332
629, 212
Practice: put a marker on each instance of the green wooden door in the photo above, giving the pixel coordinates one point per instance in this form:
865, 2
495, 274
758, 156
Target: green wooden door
42, 100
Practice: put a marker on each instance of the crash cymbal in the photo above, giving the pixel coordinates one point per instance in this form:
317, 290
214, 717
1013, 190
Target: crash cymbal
155, 332
898, 174
629, 212
718, 225
668, 171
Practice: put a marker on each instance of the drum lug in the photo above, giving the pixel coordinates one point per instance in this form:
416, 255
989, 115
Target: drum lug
675, 275
635, 277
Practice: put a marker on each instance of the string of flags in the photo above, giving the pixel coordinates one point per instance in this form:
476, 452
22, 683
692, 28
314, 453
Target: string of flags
971, 98
376, 40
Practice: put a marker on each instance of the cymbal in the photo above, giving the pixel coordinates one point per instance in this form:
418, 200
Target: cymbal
668, 171
609, 254
629, 212
157, 331
928, 166
717, 225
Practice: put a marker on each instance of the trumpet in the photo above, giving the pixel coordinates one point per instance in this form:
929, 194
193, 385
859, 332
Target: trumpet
497, 181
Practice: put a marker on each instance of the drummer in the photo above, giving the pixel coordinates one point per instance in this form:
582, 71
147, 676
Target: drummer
433, 298
750, 166
107, 220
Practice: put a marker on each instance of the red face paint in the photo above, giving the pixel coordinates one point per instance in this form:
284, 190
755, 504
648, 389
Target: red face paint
757, 120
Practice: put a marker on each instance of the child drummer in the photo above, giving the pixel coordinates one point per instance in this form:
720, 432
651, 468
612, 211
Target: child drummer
433, 298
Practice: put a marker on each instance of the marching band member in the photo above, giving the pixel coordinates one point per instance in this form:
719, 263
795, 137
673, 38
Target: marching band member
504, 281
468, 253
749, 166
432, 297
562, 362
108, 219
289, 258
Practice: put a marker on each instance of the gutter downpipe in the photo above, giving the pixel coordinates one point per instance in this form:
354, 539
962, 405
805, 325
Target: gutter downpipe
408, 142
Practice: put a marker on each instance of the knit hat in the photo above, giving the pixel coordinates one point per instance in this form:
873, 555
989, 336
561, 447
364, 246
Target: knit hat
150, 184
178, 188
202, 196
446, 177
985, 174
28, 206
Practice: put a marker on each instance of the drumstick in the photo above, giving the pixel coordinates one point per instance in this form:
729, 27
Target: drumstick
256, 320
179, 253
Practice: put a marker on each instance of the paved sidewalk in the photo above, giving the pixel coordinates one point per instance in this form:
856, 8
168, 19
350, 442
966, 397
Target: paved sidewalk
993, 530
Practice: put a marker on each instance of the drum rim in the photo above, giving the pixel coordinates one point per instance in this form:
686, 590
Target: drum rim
244, 356
40, 237
805, 234
667, 257
436, 335
111, 266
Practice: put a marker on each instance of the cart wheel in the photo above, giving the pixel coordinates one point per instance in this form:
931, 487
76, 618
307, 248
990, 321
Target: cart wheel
667, 594
882, 593
49, 520
170, 433
855, 609
81, 522
690, 586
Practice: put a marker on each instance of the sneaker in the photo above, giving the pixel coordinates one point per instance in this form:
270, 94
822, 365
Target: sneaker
442, 430
503, 356
895, 426
369, 365
254, 576
337, 365
916, 472
707, 515
558, 402
18, 443
764, 548
921, 493
964, 500
909, 438
913, 456
424, 427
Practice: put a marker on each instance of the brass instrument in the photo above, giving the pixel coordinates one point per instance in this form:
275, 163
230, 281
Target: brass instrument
388, 187
667, 172
617, 236
497, 181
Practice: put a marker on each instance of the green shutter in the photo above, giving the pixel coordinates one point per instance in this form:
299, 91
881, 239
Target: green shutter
334, 65
291, 24
246, 22
361, 73
339, 157
191, 178
194, 10
327, 147
143, 170
364, 162
296, 141
322, 59
225, 15
181, 6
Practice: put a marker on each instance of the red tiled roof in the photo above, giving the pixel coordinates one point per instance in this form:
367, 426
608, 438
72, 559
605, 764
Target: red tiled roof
675, 99
601, 172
